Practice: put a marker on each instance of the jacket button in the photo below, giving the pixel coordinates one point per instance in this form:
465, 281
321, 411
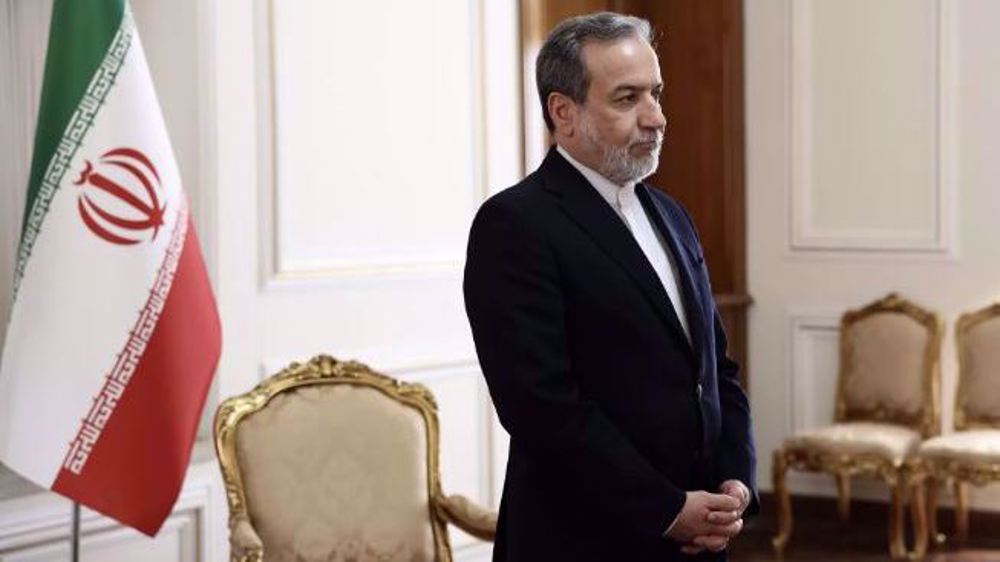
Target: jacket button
698, 391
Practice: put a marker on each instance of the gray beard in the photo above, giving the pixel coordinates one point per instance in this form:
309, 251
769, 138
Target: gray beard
616, 163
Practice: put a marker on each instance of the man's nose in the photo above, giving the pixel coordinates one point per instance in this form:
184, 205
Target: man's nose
652, 117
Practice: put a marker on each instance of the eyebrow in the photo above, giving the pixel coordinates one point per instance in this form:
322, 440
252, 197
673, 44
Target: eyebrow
634, 88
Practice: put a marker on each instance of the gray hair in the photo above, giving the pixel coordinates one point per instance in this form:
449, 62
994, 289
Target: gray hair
560, 66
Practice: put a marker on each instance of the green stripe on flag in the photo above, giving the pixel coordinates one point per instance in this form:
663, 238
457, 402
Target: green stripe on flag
88, 42
78, 39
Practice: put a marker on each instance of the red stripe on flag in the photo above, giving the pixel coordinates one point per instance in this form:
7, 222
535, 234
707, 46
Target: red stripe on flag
136, 469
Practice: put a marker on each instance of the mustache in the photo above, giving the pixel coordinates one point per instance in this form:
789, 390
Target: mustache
656, 137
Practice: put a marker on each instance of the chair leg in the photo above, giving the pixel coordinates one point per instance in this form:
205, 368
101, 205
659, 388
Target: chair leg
961, 511
844, 496
783, 501
918, 512
933, 490
897, 549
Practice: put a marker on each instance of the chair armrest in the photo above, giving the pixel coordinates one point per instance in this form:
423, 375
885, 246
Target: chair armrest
468, 516
245, 545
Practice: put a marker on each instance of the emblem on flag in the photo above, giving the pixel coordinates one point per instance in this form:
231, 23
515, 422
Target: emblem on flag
122, 201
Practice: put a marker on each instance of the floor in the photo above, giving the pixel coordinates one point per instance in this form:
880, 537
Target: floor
819, 536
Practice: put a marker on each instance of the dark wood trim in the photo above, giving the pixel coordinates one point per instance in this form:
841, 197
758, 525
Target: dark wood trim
523, 34
734, 141
731, 300
733, 309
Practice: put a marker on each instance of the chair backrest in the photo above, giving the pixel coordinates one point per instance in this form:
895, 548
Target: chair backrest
890, 356
330, 461
977, 338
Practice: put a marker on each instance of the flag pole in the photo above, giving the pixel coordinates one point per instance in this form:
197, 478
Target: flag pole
75, 548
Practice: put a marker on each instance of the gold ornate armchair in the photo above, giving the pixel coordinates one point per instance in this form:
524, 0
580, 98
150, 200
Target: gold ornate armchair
888, 400
330, 461
972, 453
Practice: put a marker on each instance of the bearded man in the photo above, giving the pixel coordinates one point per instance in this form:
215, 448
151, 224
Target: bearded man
597, 332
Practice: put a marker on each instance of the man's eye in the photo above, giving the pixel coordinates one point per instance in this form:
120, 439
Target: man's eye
627, 99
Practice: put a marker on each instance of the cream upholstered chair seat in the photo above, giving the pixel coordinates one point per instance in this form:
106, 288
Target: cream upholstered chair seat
889, 441
887, 401
975, 446
331, 462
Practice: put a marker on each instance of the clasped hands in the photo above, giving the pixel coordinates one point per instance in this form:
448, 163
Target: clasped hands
707, 521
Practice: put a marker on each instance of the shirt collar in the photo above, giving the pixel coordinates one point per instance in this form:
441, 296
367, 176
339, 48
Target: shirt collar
607, 188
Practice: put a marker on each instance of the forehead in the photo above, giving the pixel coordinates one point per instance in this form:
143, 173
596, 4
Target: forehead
628, 61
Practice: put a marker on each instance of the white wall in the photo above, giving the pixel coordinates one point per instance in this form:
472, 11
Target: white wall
335, 154
872, 135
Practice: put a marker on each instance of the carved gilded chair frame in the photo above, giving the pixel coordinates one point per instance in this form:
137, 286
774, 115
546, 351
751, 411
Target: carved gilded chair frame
900, 478
961, 473
325, 370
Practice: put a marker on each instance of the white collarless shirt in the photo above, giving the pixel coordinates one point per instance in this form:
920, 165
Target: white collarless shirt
628, 208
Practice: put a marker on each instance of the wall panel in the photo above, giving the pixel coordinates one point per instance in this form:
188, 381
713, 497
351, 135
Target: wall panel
868, 91
367, 178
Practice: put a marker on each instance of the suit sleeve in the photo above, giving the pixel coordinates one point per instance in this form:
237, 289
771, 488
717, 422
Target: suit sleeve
517, 313
736, 453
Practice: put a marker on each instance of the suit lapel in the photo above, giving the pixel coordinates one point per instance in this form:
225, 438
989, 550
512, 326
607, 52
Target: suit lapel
685, 267
586, 207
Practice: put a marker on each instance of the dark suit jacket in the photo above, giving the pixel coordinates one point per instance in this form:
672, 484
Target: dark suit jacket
612, 413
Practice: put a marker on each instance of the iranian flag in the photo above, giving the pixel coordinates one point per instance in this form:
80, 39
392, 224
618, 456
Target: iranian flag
113, 336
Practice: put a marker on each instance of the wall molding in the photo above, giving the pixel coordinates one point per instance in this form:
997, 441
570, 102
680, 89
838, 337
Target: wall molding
183, 524
42, 520
805, 238
278, 272
208, 117
408, 371
803, 324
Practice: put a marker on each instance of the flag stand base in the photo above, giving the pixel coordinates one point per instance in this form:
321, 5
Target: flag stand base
75, 547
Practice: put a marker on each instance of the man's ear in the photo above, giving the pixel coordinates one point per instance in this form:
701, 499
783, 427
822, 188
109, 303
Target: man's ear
563, 112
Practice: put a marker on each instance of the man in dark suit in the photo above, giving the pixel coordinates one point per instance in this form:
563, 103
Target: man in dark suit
597, 332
